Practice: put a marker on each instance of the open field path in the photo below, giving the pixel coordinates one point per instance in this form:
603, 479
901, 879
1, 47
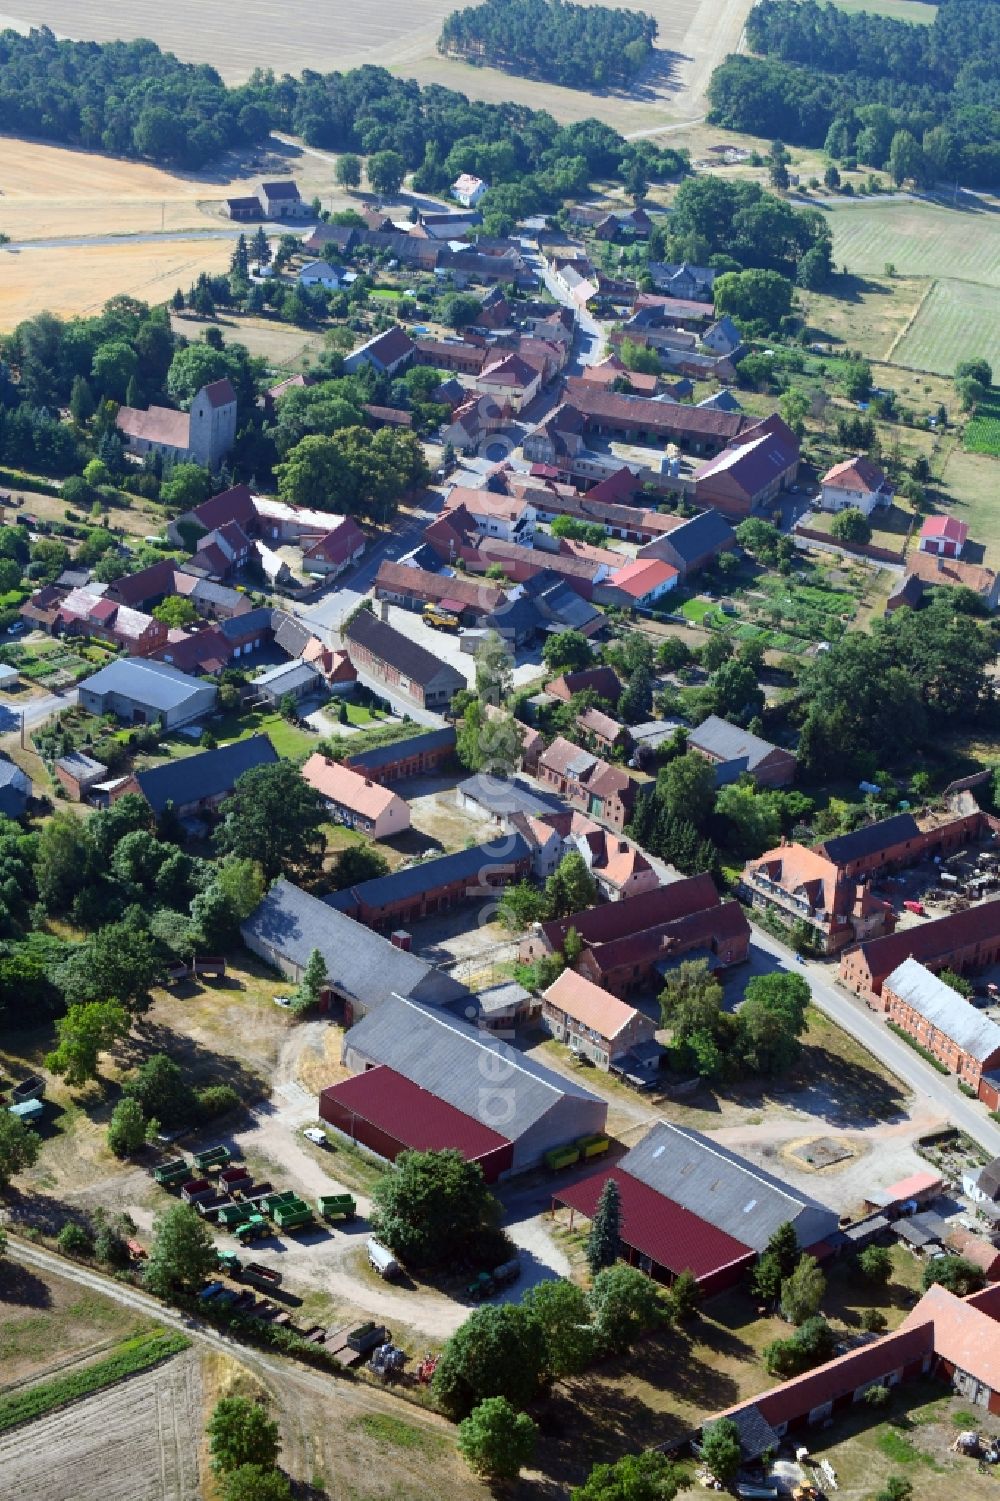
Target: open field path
284, 1372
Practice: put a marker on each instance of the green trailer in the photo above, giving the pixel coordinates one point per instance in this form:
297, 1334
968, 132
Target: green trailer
593, 1146
271, 1203
172, 1174
212, 1157
561, 1157
231, 1215
293, 1216
336, 1206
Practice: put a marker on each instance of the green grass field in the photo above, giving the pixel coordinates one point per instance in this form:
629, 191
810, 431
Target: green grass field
895, 10
919, 238
982, 433
957, 320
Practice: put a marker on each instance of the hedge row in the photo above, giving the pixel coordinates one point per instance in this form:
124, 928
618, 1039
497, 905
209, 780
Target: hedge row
128, 1358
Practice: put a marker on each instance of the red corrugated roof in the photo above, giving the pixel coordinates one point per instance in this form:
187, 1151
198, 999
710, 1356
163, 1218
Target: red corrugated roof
657, 1227
413, 1115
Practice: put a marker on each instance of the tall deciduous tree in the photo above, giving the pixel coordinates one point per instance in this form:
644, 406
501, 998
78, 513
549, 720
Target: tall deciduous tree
183, 1252
241, 1433
802, 1292
496, 1440
435, 1206
498, 1352
84, 1033
560, 1308
274, 818
625, 1304
19, 1147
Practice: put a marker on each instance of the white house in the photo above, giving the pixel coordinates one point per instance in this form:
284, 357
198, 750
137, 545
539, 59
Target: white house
321, 274
856, 484
468, 189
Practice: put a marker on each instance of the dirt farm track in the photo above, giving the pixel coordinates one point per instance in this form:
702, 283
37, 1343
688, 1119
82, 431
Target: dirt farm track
236, 36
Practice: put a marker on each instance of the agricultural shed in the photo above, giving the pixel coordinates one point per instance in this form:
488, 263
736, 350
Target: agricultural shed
389, 1114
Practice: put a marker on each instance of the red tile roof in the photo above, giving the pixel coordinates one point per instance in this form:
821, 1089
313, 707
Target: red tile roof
857, 474
657, 1227
932, 941
588, 1004
966, 1331
412, 1115
220, 393
640, 577
603, 681
636, 913
948, 527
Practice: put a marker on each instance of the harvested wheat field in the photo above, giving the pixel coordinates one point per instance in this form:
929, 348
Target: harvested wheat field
80, 278
48, 191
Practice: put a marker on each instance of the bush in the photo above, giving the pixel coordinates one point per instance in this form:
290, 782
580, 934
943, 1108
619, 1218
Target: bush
75, 1239
215, 1100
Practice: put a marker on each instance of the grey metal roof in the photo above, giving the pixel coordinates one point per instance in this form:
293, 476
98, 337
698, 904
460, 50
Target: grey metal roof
206, 775
505, 797
988, 1181
430, 875
13, 779
360, 963
872, 838
155, 684
692, 539
237, 626
288, 676
401, 750
945, 1009
80, 765
728, 1191
755, 1433
468, 1069
717, 737
290, 634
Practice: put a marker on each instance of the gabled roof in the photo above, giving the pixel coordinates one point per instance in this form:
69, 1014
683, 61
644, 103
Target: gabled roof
403, 750
635, 914
640, 577
155, 425
498, 856
596, 723
347, 788
412, 1115
156, 685
701, 534
219, 393
452, 1059
588, 1004
723, 1188
360, 963
723, 741
206, 775
952, 572
392, 647
931, 941
388, 347
843, 849
603, 681
284, 189
507, 796
945, 1009
947, 527
240, 627
860, 475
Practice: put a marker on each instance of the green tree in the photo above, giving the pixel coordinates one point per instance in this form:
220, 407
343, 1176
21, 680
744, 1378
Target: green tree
570, 887
754, 817
754, 296
605, 1229
121, 961
185, 487
649, 1476
851, 526
795, 405
242, 882
274, 818
183, 1252
19, 1147
625, 1304
560, 1308
82, 405
957, 982
348, 171
310, 987
488, 742
956, 1273
254, 1483
777, 1261
673, 654
127, 1128
498, 1352
802, 1292
84, 1033
434, 1207
520, 905
977, 369
176, 612
686, 788
241, 1433
65, 860
496, 1440
161, 1091
386, 170
494, 669
895, 1489
636, 702
906, 160
809, 1346
567, 651
685, 1299
691, 999
357, 863
875, 1265
720, 1449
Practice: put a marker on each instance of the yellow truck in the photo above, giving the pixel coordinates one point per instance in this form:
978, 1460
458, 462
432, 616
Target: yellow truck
440, 619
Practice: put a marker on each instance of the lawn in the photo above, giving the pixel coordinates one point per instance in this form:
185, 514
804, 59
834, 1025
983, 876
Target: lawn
288, 739
957, 319
895, 10
864, 312
917, 237
971, 480
982, 432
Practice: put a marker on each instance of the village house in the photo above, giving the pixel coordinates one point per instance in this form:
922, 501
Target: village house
603, 681
935, 572
684, 280
629, 943
857, 484
415, 587
293, 681
472, 422
15, 789
355, 800
693, 544
89, 612
195, 785
602, 733
942, 1021
723, 338
618, 866
962, 941
468, 189
322, 274
494, 515
405, 667
78, 773
387, 352
734, 751
634, 419
605, 792
943, 536
282, 200
511, 379
204, 435
461, 356
639, 584
591, 1022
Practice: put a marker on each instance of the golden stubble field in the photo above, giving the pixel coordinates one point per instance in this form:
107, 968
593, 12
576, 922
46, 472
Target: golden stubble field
236, 36
79, 279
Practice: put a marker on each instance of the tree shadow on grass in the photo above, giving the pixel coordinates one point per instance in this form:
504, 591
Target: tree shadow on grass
201, 1065
22, 1287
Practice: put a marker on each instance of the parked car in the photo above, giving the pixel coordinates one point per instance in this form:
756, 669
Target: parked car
313, 1133
282, 1000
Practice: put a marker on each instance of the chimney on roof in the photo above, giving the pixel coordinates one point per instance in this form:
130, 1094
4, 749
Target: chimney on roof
401, 940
